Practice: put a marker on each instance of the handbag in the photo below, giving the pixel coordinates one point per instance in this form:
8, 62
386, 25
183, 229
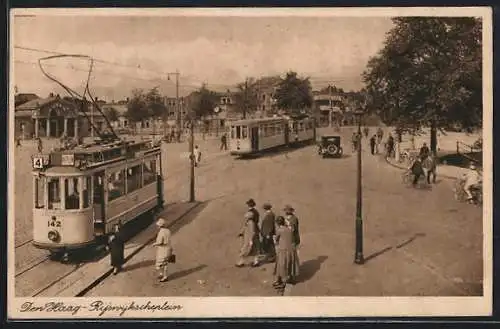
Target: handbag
171, 259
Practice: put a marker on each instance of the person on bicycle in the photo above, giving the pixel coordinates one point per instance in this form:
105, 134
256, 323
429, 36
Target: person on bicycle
417, 170
471, 180
424, 151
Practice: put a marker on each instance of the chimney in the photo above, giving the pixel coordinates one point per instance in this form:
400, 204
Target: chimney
51, 95
127, 99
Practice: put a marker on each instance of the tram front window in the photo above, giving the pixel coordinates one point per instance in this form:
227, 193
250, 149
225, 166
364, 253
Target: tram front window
244, 132
39, 190
54, 193
72, 193
87, 191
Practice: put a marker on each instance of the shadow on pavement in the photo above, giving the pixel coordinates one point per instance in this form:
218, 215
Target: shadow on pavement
310, 267
142, 263
401, 245
188, 217
180, 274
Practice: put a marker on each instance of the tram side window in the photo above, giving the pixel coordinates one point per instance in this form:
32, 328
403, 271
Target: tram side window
87, 190
54, 194
238, 132
278, 129
244, 132
232, 132
149, 171
116, 184
39, 193
134, 178
71, 193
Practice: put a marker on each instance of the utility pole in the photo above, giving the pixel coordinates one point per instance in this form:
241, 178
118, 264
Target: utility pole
191, 156
177, 97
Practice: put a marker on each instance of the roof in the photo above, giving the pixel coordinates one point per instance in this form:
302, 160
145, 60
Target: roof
259, 120
36, 103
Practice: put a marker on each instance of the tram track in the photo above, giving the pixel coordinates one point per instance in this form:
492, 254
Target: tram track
23, 243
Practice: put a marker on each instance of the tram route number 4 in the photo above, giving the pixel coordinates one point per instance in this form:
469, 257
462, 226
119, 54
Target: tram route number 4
39, 162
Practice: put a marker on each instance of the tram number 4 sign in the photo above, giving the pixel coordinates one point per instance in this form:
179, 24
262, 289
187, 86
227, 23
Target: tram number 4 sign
38, 162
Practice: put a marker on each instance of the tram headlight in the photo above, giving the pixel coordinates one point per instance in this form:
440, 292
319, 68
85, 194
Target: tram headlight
54, 236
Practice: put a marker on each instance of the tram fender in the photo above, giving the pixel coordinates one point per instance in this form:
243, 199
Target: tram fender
159, 184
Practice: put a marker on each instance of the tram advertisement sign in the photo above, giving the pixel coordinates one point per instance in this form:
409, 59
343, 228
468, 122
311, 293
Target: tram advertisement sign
67, 159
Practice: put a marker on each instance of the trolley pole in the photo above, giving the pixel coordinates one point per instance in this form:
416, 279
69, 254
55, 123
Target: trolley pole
191, 156
359, 259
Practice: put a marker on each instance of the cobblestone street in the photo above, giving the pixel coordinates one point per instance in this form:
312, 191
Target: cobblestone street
416, 241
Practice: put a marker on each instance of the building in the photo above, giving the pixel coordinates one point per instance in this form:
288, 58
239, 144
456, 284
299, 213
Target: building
54, 117
266, 90
330, 108
20, 99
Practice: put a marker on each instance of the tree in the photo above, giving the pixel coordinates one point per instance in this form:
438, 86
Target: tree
112, 114
203, 104
294, 94
155, 104
137, 109
246, 99
428, 73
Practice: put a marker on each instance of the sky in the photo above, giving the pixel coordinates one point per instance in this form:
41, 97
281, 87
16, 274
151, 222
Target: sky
219, 51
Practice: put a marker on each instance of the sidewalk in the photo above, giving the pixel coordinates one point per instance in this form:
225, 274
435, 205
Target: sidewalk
79, 282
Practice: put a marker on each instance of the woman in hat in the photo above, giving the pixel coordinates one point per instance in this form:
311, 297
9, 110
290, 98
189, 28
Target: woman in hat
250, 243
286, 268
164, 248
116, 248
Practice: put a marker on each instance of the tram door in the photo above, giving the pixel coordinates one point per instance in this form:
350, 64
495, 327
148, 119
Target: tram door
255, 138
99, 203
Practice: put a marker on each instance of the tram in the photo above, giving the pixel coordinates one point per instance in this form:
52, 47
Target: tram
252, 136
79, 194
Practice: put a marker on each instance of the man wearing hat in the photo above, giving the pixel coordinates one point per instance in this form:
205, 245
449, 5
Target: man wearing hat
293, 222
267, 231
472, 179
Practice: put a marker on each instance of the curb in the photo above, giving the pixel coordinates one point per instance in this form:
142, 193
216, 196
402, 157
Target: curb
404, 168
103, 276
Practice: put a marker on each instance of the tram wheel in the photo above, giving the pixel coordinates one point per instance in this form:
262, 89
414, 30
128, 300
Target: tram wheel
65, 257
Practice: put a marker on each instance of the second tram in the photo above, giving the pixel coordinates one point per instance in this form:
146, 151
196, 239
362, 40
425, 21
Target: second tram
252, 136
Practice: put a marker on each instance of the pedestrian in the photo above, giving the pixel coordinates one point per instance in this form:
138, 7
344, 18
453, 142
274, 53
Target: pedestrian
424, 151
354, 140
380, 133
197, 156
417, 170
250, 242
251, 207
286, 268
430, 166
366, 131
223, 142
390, 146
18, 142
39, 145
373, 143
116, 245
267, 231
293, 222
164, 249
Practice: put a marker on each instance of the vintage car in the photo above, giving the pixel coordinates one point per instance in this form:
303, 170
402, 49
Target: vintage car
329, 146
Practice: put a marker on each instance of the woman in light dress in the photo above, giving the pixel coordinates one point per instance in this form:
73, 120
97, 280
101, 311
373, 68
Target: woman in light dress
164, 249
251, 244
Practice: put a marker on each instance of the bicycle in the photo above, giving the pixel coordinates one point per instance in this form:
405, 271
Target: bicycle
408, 177
461, 196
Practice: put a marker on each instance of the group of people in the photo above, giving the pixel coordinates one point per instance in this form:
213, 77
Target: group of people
163, 244
375, 141
272, 239
423, 165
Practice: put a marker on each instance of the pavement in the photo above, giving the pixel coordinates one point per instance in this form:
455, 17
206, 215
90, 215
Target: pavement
417, 241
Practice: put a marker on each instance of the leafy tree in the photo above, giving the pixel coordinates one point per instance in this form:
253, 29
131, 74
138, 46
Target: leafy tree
156, 106
203, 103
294, 94
245, 98
137, 109
111, 113
428, 73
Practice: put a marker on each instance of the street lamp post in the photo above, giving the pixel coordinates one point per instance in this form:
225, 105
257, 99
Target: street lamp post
191, 157
358, 258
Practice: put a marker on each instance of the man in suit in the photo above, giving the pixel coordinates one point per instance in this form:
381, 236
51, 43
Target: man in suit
267, 231
293, 222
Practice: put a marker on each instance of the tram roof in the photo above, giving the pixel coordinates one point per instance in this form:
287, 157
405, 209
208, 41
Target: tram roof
259, 120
